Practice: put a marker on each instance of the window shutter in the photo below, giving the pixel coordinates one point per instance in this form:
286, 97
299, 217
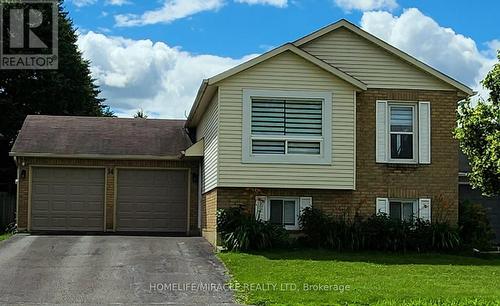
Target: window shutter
261, 208
381, 132
382, 206
424, 132
424, 209
305, 202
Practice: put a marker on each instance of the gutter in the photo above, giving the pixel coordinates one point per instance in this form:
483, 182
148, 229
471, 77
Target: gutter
97, 156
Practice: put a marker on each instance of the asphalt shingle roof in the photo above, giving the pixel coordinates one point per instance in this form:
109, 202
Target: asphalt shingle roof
66, 135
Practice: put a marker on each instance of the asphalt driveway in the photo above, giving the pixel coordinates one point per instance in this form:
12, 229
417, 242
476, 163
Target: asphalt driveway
110, 269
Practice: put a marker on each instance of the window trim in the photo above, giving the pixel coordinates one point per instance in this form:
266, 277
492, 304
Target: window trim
295, 227
414, 106
413, 201
325, 140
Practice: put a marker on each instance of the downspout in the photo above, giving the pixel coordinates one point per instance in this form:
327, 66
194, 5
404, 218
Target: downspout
200, 177
18, 182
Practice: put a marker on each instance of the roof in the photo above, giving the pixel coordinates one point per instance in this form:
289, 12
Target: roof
101, 137
208, 86
391, 49
288, 47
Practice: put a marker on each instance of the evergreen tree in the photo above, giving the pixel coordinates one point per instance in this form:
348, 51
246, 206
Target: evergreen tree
68, 90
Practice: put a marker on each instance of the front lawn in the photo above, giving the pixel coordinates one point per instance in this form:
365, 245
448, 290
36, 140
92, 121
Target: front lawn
293, 277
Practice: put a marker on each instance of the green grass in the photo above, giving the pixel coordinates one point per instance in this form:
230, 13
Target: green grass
5, 236
373, 278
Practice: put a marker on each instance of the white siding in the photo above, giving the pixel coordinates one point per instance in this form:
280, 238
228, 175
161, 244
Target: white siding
286, 71
209, 130
369, 63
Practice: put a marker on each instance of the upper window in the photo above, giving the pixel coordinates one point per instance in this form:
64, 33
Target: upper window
402, 132
287, 127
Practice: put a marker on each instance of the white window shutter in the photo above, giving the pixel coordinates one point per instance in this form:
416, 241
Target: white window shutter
424, 209
424, 132
261, 211
381, 132
304, 203
382, 206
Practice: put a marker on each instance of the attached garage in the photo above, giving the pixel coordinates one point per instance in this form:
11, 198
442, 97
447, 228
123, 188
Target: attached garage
84, 174
67, 199
152, 200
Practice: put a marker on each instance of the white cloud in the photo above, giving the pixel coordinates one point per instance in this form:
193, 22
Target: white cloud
117, 2
440, 47
170, 11
160, 79
277, 3
82, 3
494, 47
366, 5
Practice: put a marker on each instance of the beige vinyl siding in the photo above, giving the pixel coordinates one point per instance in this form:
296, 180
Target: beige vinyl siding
209, 130
286, 71
369, 63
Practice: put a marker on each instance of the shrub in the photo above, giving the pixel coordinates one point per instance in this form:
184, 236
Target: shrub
379, 232
240, 231
475, 229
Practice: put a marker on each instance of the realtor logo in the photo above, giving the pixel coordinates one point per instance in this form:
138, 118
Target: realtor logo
28, 34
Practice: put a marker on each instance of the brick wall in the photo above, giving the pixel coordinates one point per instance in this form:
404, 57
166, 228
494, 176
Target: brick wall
111, 165
209, 216
438, 181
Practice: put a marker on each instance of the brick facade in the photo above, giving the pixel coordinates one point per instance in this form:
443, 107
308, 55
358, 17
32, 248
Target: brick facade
209, 216
438, 180
111, 166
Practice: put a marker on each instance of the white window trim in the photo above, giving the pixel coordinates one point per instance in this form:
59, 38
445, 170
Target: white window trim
414, 105
295, 227
325, 141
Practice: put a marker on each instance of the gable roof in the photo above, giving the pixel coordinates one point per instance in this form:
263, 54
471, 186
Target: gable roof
208, 86
288, 47
389, 48
101, 137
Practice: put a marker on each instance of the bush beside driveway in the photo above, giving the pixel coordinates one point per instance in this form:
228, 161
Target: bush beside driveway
5, 236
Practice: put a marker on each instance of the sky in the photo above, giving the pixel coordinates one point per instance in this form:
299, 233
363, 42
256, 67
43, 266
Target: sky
153, 55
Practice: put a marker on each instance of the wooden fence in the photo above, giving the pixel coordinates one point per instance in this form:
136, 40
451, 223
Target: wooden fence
7, 209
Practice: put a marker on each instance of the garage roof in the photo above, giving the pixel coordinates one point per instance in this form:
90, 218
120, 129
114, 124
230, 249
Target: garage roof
103, 137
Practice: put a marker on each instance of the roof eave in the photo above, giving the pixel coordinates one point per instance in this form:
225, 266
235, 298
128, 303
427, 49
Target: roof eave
196, 104
401, 54
214, 81
95, 156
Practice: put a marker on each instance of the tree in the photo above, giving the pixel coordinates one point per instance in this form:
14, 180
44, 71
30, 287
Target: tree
68, 90
479, 134
140, 114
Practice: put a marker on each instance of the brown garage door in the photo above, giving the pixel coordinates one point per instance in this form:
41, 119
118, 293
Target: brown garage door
69, 199
152, 200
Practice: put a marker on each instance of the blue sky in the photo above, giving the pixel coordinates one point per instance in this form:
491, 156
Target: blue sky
154, 54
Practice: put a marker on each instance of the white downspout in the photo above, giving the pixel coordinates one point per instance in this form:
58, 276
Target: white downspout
200, 178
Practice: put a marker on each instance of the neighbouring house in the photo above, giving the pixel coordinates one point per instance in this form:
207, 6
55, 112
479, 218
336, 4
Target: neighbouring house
338, 120
466, 193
